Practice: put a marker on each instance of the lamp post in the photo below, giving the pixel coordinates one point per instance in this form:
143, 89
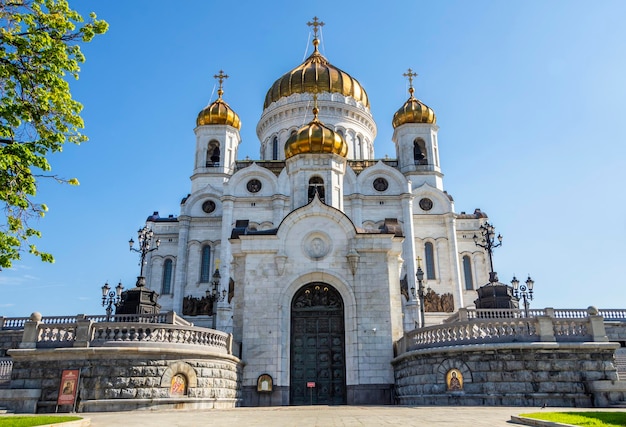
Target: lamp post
146, 246
111, 298
525, 291
214, 295
420, 290
487, 241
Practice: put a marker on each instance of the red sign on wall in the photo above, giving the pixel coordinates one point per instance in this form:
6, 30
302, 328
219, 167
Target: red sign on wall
68, 387
310, 384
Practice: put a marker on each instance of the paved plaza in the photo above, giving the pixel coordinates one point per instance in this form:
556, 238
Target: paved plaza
320, 416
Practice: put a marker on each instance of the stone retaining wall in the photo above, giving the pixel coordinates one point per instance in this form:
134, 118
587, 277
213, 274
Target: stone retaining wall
515, 374
126, 378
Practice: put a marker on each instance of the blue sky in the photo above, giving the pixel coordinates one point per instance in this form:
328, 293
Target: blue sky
529, 97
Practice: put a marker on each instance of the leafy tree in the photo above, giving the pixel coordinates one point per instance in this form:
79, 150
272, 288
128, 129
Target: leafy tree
39, 49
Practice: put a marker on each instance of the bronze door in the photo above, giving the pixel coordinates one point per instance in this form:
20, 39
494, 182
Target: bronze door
317, 347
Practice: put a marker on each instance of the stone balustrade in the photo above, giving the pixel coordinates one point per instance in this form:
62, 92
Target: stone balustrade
121, 330
471, 326
563, 313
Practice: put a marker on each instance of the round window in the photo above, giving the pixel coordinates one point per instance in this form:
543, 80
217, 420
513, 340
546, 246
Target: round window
208, 206
380, 184
426, 204
254, 186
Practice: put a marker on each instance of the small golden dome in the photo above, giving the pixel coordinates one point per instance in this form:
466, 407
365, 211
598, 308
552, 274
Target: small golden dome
413, 111
316, 75
219, 112
315, 138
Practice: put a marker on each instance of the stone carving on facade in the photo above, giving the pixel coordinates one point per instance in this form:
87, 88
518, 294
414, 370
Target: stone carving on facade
433, 302
404, 287
317, 295
317, 246
194, 306
231, 289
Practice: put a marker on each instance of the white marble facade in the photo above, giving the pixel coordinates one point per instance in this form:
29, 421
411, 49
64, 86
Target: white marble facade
363, 239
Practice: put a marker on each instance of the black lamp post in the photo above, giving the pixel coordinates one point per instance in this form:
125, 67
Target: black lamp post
525, 291
420, 290
213, 293
487, 241
111, 298
145, 247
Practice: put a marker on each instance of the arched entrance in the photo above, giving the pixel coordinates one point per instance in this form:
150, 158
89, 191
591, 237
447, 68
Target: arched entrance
317, 346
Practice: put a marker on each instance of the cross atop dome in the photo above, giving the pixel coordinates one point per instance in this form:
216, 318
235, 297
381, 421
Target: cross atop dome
220, 77
410, 74
316, 24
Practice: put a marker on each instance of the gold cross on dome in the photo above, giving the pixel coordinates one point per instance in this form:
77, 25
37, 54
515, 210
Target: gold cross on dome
315, 24
220, 77
410, 74
418, 259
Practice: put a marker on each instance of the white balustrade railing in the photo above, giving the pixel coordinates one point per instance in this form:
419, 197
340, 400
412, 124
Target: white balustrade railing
104, 334
56, 335
501, 330
472, 332
613, 314
166, 328
6, 367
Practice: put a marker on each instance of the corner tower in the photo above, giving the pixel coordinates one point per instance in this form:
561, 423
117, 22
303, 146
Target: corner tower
217, 139
415, 137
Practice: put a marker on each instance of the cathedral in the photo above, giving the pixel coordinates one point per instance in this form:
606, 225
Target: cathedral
310, 255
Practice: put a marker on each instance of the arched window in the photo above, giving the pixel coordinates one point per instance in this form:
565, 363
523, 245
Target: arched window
467, 272
166, 284
205, 265
316, 185
419, 151
429, 253
213, 154
359, 147
275, 149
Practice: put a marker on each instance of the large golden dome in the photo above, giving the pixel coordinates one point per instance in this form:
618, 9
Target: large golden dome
413, 111
316, 75
219, 112
315, 138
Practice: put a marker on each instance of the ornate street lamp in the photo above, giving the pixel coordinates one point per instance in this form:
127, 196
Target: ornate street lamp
420, 290
214, 295
111, 298
487, 241
525, 291
146, 246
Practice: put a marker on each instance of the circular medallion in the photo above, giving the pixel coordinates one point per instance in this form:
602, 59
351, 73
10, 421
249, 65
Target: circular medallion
380, 184
426, 204
254, 186
317, 245
208, 206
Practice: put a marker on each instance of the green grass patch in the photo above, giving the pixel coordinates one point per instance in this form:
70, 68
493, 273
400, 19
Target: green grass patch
34, 420
596, 419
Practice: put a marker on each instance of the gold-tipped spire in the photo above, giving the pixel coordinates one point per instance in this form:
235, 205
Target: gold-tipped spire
220, 77
410, 74
315, 109
219, 112
413, 110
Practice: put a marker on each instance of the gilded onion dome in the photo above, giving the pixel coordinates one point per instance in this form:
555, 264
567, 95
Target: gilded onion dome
315, 138
316, 75
219, 112
413, 110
